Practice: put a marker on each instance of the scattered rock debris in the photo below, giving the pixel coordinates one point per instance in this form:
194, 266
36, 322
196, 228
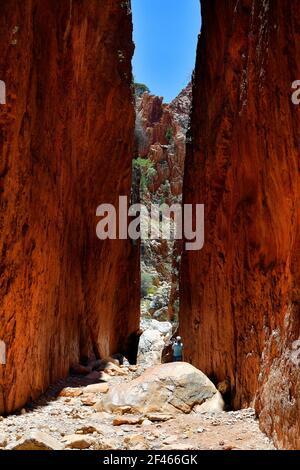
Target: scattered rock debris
60, 419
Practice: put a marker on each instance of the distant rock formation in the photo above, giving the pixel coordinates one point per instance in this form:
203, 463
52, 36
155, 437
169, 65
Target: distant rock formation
165, 127
161, 133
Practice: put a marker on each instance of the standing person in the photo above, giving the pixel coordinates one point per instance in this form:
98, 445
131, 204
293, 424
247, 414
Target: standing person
177, 348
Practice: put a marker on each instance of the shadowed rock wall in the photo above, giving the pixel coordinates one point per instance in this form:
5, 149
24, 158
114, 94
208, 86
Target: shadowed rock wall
66, 142
240, 295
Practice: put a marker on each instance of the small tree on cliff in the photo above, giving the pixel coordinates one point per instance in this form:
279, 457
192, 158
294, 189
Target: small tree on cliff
140, 89
146, 169
169, 135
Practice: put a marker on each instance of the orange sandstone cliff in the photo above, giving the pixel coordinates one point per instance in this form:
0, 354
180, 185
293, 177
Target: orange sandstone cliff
165, 127
66, 140
240, 295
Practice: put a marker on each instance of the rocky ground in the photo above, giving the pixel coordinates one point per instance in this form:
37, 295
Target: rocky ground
66, 418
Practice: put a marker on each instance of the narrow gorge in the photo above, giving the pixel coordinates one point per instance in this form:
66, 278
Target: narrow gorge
75, 132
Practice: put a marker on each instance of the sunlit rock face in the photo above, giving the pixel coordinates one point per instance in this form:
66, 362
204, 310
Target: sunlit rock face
66, 140
240, 295
165, 127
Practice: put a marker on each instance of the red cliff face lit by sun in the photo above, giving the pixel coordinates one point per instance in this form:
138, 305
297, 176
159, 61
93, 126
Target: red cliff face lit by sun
167, 152
66, 141
240, 295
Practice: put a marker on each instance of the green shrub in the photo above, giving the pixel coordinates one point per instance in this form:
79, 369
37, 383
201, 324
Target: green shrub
151, 173
146, 169
146, 283
152, 290
143, 163
140, 89
169, 135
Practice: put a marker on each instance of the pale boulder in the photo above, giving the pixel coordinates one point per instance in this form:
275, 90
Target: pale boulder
76, 441
150, 348
166, 388
70, 392
3, 440
136, 442
97, 388
212, 405
131, 420
37, 440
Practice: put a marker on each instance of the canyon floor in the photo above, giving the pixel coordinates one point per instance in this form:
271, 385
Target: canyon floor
65, 415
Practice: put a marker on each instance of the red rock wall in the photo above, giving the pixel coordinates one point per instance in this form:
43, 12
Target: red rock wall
240, 295
165, 127
66, 140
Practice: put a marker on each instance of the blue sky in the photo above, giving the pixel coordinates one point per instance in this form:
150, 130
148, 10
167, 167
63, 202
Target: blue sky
165, 35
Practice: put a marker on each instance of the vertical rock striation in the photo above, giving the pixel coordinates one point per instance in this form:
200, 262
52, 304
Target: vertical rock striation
240, 296
66, 139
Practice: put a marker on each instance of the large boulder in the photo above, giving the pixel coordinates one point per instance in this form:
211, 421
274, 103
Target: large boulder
164, 327
168, 388
150, 349
152, 342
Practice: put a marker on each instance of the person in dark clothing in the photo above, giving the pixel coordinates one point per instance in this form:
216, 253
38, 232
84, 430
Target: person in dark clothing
177, 348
